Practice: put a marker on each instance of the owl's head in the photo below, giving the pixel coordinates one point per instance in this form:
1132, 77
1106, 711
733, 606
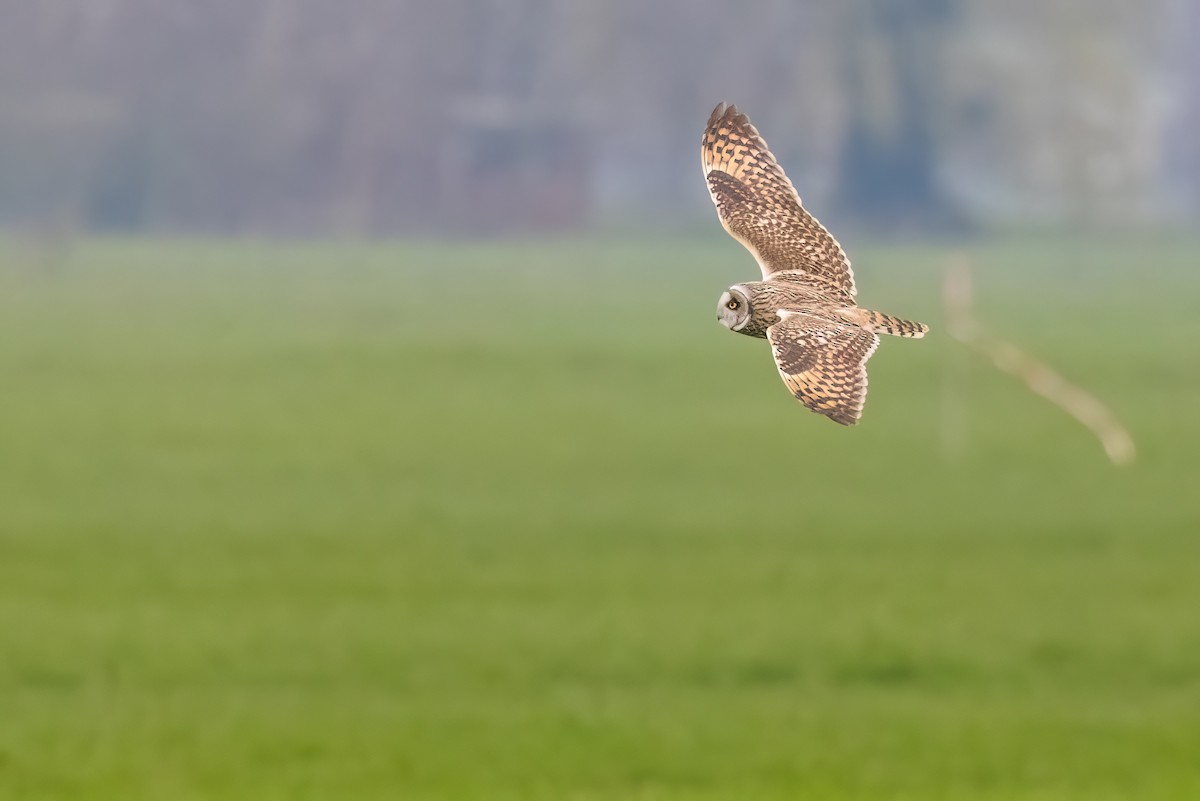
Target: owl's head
733, 309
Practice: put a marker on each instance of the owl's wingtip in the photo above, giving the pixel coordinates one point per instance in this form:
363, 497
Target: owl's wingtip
723, 111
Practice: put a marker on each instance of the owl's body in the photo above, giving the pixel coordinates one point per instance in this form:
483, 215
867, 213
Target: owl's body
805, 305
764, 299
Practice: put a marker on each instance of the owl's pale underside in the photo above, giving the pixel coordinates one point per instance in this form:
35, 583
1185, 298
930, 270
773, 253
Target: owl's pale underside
805, 305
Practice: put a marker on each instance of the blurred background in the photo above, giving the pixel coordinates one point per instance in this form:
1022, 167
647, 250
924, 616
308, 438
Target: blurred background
492, 116
365, 431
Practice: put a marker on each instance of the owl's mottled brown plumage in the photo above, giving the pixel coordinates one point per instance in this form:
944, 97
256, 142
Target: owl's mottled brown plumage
824, 363
759, 206
805, 305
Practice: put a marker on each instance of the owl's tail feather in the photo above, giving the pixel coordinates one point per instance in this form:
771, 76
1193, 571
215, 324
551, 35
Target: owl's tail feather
887, 324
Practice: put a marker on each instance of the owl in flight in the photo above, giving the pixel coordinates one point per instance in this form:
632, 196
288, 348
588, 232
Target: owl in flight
804, 306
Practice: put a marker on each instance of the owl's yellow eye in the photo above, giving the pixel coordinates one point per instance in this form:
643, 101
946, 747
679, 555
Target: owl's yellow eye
732, 305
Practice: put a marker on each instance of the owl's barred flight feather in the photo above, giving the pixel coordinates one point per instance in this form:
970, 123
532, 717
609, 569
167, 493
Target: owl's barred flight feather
759, 206
804, 306
824, 363
887, 324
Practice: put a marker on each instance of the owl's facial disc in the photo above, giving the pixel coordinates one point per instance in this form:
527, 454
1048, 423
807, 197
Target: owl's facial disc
733, 309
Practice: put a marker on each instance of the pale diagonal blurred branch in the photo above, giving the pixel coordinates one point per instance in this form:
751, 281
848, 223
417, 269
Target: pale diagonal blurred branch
958, 300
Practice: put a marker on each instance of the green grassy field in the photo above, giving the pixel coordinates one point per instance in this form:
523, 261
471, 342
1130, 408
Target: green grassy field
523, 522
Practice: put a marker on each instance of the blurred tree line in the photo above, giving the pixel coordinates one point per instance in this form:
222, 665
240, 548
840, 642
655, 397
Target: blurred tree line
369, 116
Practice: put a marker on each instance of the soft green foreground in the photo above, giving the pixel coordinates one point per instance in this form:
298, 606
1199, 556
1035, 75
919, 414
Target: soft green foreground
522, 522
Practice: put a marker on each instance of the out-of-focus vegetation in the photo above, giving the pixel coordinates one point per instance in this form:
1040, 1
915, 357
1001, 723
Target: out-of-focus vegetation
523, 522
303, 116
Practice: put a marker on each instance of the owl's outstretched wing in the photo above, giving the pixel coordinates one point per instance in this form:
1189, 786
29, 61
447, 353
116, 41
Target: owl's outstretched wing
824, 363
759, 206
